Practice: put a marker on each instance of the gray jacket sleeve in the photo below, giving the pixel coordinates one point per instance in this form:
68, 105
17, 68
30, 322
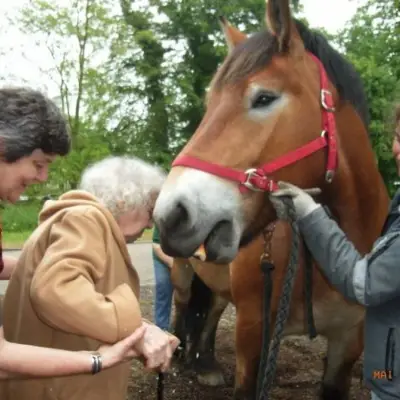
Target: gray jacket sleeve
370, 280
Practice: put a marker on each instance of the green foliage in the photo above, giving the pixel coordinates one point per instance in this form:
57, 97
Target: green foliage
371, 42
77, 35
65, 171
21, 217
134, 80
194, 27
179, 47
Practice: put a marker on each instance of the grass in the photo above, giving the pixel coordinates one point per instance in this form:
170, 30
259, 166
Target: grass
20, 220
147, 235
15, 240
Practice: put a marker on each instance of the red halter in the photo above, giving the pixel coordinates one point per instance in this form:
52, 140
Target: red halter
256, 179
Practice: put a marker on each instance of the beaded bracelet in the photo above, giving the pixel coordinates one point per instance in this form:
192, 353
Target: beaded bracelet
96, 363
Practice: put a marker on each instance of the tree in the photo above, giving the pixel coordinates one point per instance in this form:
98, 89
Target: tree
154, 138
73, 35
181, 46
76, 37
371, 42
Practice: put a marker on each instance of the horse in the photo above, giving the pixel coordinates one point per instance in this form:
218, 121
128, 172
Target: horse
201, 294
284, 105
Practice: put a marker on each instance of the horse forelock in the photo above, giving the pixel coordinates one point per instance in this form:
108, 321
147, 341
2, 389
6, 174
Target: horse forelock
255, 53
246, 58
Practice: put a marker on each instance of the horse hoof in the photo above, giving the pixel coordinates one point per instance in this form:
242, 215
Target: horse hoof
332, 393
240, 394
211, 378
180, 355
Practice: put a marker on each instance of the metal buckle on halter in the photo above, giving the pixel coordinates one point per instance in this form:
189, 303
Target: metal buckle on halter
324, 93
251, 172
329, 175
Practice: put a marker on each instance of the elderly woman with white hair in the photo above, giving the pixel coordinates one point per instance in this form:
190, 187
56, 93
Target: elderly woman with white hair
75, 288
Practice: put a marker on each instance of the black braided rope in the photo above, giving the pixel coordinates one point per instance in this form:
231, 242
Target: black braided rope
160, 386
308, 279
267, 268
266, 374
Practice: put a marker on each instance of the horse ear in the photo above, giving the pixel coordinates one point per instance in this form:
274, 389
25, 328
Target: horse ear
278, 19
232, 35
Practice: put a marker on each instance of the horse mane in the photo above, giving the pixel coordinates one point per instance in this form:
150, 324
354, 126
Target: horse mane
257, 51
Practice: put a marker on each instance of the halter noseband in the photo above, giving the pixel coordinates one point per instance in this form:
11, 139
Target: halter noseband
256, 179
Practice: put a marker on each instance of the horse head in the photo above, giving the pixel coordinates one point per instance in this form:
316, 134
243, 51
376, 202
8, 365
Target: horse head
270, 116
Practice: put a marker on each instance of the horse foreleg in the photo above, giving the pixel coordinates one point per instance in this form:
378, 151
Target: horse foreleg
248, 345
208, 370
181, 277
344, 349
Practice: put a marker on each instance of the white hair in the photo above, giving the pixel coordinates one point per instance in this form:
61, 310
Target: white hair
123, 183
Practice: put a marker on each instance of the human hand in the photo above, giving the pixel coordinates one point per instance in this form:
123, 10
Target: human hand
303, 203
157, 347
122, 351
170, 262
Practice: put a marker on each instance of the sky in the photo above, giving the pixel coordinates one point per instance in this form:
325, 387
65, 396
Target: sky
330, 14
24, 62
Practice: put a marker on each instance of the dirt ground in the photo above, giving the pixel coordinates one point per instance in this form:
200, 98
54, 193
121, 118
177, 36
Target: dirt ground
298, 373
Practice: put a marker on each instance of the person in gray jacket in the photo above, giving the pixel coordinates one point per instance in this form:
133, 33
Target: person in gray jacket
372, 280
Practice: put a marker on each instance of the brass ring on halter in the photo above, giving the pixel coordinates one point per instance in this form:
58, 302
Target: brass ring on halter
251, 172
329, 175
325, 92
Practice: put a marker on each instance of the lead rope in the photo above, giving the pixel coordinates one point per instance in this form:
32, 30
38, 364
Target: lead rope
268, 361
160, 386
270, 351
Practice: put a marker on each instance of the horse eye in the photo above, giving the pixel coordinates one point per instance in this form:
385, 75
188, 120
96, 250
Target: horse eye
263, 100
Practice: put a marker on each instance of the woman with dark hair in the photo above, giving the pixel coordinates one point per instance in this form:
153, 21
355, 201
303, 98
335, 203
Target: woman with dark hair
33, 132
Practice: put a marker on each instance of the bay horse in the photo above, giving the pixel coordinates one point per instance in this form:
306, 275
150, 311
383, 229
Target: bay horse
200, 304
201, 294
265, 109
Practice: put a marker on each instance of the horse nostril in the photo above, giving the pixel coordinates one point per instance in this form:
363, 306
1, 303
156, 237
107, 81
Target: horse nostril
178, 216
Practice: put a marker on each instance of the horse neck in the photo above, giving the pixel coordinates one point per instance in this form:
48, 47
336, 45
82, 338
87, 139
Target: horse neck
357, 196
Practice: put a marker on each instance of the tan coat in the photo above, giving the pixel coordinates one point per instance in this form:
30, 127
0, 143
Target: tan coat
74, 288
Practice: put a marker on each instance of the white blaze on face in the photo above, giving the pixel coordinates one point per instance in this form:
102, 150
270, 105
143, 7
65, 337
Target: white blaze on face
206, 198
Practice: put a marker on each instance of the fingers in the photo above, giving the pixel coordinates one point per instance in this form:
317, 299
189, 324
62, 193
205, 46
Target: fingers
174, 342
159, 355
313, 191
132, 353
162, 364
167, 360
290, 190
284, 192
133, 338
288, 186
156, 354
157, 348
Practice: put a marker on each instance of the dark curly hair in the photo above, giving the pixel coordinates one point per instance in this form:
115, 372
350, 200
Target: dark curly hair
29, 121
